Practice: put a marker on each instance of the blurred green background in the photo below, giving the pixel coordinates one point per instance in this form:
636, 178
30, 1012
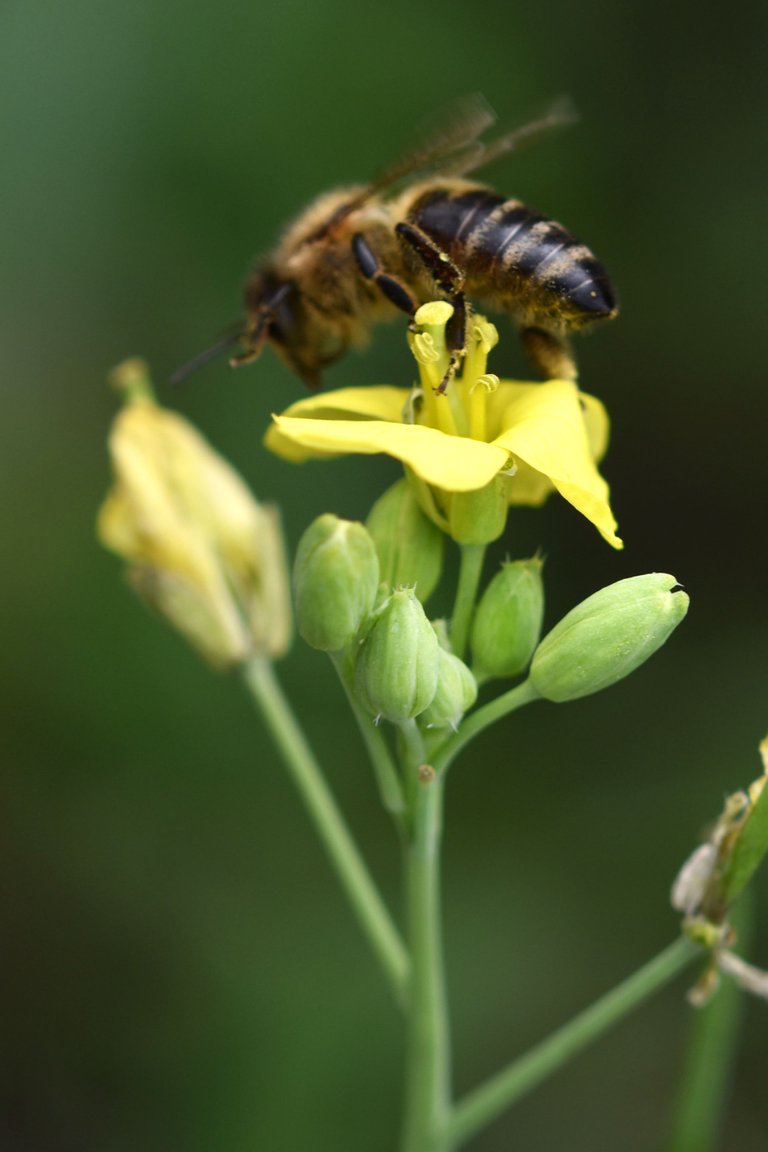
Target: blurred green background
181, 972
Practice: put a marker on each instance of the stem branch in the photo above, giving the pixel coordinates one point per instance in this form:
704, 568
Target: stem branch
488, 1101
477, 721
390, 788
350, 868
470, 570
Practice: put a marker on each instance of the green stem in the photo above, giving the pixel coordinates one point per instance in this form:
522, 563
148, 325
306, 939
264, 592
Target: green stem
470, 570
477, 721
428, 1058
706, 1077
350, 868
390, 787
501, 1091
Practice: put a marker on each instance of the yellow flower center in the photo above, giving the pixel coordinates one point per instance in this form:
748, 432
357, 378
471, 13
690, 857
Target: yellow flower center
479, 439
459, 410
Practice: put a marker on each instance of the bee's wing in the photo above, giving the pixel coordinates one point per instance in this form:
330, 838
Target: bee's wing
456, 130
452, 148
456, 134
478, 153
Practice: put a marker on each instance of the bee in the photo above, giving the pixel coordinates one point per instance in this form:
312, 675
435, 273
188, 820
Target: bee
420, 231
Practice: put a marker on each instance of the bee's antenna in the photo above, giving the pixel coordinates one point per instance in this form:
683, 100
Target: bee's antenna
218, 349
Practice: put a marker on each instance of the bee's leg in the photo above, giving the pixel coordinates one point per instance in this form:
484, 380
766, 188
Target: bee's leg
255, 339
550, 354
393, 289
449, 280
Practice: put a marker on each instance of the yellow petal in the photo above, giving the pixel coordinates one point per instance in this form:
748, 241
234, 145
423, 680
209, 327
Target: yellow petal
451, 462
380, 402
279, 440
596, 423
377, 403
543, 426
528, 487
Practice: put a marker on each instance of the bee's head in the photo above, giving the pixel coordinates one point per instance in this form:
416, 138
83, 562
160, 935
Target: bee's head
278, 314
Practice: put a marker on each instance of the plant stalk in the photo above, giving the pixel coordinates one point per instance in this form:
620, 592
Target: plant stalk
470, 571
363, 895
709, 1060
487, 1102
427, 1095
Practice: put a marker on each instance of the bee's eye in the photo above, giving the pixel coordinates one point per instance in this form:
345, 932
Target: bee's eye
283, 326
284, 320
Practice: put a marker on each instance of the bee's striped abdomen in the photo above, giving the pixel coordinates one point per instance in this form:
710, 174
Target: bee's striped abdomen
509, 251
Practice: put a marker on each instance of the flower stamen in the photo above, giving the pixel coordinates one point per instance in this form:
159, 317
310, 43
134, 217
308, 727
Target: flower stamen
478, 391
470, 440
431, 354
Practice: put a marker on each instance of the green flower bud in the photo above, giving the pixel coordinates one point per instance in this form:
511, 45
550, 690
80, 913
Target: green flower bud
409, 545
397, 666
607, 636
455, 695
479, 517
335, 581
508, 620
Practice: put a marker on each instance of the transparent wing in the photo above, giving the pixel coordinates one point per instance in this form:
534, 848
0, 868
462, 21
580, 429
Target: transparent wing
453, 135
452, 147
456, 130
481, 152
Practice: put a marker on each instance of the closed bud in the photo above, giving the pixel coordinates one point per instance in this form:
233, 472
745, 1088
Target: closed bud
478, 517
335, 580
397, 666
456, 693
409, 545
607, 636
507, 623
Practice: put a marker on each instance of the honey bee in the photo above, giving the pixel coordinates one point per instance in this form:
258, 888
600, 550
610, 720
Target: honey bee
420, 231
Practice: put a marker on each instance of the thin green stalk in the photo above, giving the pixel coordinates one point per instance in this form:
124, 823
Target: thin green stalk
708, 1067
470, 570
351, 870
390, 787
427, 1097
487, 1102
477, 721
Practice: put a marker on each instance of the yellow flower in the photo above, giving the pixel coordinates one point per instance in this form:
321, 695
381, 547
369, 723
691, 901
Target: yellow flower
200, 549
507, 441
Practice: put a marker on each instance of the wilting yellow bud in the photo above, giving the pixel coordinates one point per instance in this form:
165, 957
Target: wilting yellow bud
200, 549
712, 880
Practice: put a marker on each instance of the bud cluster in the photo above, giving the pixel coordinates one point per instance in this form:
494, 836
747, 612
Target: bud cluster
403, 666
596, 644
401, 669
